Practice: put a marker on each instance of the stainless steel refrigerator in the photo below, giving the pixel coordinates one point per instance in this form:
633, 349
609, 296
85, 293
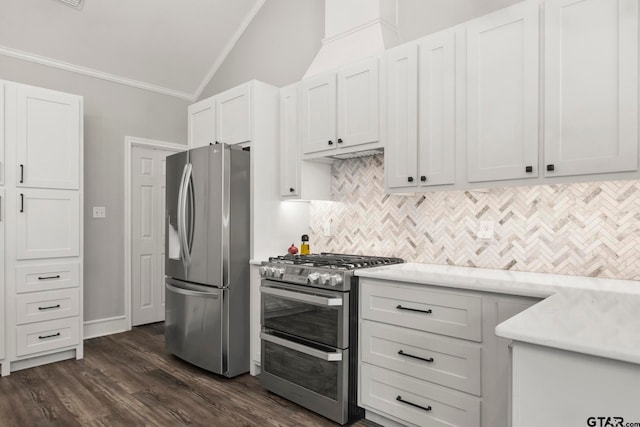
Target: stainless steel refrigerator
207, 258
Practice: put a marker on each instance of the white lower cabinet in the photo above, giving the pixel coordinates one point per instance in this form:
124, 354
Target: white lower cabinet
429, 355
46, 336
418, 402
2, 281
41, 306
553, 387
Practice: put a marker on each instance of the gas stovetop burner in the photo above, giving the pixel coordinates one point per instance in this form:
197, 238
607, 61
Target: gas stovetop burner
336, 261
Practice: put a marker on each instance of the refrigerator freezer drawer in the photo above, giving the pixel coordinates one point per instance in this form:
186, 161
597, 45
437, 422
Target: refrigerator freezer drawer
194, 324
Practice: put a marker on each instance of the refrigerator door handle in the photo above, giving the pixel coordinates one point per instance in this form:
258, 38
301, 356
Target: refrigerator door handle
191, 292
183, 208
180, 212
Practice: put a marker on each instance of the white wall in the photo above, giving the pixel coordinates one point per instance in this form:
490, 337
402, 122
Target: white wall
111, 112
277, 47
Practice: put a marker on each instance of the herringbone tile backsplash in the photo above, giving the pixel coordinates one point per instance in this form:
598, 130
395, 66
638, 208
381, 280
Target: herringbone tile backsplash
584, 229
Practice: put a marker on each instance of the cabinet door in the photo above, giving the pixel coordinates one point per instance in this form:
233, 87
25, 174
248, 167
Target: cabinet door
202, 123
402, 116
47, 223
2, 133
2, 283
233, 108
289, 159
359, 103
437, 75
318, 113
591, 86
48, 138
502, 98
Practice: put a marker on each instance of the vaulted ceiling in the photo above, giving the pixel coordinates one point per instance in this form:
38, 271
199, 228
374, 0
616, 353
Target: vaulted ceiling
170, 46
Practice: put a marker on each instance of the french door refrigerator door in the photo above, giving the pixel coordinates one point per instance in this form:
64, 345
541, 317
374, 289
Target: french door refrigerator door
195, 324
194, 215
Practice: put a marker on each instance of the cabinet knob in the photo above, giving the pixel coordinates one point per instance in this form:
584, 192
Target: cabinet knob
339, 140
551, 168
410, 179
528, 169
291, 189
423, 178
330, 142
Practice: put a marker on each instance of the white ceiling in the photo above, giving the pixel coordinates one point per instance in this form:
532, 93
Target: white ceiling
170, 46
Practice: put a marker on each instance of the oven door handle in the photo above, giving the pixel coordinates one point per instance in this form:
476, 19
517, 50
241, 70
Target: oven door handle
318, 354
302, 297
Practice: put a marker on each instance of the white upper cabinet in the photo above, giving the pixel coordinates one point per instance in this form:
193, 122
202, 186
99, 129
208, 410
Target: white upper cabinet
202, 123
318, 113
2, 133
591, 86
289, 153
341, 110
437, 81
402, 116
233, 108
421, 79
502, 94
48, 138
223, 118
299, 179
358, 103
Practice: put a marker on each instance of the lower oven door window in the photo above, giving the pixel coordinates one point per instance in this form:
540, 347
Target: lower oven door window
315, 369
314, 315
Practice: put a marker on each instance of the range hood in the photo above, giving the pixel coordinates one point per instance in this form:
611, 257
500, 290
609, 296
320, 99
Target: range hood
355, 29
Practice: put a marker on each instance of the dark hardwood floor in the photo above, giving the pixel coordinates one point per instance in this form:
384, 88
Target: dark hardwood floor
128, 380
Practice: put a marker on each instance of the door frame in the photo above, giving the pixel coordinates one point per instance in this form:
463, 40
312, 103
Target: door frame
129, 143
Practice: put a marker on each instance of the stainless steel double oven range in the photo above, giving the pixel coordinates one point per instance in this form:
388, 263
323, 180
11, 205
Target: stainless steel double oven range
309, 331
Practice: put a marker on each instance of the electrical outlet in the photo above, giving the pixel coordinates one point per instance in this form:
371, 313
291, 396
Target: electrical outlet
99, 212
485, 232
326, 228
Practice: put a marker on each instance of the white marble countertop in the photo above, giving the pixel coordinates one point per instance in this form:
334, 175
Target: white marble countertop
582, 314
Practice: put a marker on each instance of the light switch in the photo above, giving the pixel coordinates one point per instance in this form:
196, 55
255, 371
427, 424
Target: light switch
326, 228
99, 212
485, 232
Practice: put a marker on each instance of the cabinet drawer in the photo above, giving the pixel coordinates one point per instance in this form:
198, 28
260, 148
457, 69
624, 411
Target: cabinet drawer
46, 336
41, 306
423, 308
46, 277
416, 401
447, 361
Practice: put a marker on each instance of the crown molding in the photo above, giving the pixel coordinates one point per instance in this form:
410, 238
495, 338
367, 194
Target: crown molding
228, 47
26, 56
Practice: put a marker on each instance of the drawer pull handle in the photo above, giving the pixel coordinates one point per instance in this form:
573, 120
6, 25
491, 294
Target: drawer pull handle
50, 307
400, 399
402, 353
57, 276
399, 307
40, 337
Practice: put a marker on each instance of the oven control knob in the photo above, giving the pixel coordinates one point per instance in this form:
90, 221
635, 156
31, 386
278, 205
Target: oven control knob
313, 277
263, 271
278, 273
271, 272
324, 279
335, 280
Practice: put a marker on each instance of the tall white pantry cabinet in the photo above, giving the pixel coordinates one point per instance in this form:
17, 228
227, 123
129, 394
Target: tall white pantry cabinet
41, 223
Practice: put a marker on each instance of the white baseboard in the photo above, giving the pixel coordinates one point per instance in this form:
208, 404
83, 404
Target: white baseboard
102, 327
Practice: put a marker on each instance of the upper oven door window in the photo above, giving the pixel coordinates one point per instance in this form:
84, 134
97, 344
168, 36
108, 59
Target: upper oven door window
312, 314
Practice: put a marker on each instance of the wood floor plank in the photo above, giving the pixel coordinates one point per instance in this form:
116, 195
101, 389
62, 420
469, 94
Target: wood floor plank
129, 379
